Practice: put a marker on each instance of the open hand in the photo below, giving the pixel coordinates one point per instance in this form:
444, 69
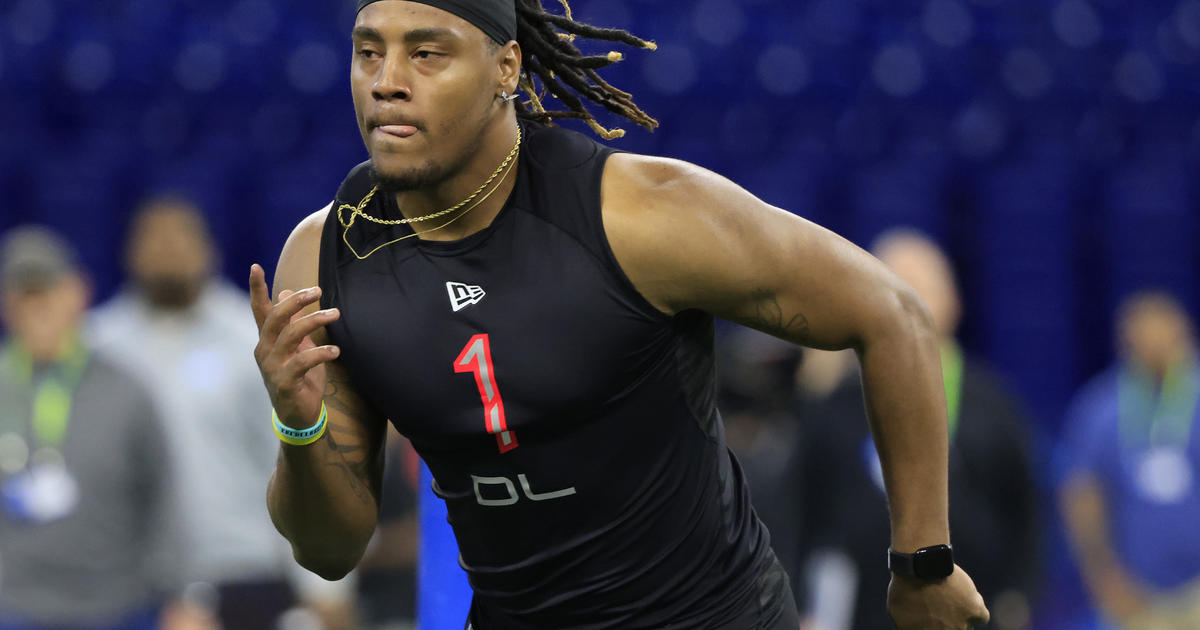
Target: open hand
949, 604
292, 365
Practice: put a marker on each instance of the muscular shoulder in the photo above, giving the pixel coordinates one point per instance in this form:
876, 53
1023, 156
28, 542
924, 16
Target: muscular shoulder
632, 180
298, 262
665, 217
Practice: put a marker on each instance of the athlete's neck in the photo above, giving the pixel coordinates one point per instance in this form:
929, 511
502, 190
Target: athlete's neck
496, 144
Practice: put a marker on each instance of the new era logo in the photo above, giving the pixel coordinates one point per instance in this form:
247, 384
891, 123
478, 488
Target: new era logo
463, 295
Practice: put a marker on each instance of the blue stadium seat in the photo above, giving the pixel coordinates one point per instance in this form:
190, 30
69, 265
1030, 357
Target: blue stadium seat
1022, 261
909, 190
1150, 225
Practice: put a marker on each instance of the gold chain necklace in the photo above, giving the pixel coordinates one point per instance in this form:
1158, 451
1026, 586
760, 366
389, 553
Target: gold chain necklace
347, 224
356, 212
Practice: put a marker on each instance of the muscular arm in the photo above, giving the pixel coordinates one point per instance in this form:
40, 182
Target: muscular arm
324, 497
688, 238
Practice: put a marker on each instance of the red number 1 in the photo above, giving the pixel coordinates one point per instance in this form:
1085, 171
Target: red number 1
476, 357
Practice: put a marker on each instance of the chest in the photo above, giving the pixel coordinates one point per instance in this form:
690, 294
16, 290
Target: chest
522, 337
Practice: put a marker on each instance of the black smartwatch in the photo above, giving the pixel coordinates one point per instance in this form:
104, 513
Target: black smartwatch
928, 563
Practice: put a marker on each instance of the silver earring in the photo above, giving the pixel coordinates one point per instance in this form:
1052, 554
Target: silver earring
504, 96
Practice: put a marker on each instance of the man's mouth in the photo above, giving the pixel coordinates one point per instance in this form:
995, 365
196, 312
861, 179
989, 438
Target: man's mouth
398, 131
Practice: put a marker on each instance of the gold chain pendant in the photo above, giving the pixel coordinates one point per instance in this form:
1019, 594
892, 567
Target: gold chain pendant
357, 211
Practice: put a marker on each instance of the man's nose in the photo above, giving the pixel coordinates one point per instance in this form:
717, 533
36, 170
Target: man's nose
393, 80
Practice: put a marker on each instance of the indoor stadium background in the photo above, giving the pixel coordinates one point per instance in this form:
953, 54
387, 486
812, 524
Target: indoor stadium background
1049, 145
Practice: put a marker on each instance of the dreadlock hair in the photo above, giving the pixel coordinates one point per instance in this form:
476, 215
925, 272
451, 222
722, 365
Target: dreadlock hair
551, 57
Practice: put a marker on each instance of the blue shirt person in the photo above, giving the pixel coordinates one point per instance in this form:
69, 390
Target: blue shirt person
1131, 496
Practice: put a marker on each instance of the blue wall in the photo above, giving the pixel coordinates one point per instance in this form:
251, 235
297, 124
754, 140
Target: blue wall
1048, 145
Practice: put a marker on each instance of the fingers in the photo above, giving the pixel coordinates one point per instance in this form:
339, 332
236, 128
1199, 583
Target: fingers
305, 360
260, 295
952, 603
281, 314
295, 332
979, 612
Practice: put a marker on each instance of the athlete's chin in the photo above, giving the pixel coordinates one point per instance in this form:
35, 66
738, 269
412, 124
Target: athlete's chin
393, 177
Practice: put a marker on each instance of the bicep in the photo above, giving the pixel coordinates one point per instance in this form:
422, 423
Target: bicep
689, 238
792, 278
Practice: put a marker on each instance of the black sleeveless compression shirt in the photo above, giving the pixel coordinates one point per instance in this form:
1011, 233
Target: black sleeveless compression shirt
570, 426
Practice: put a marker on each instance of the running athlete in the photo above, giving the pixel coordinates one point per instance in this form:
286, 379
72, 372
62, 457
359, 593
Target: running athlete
535, 310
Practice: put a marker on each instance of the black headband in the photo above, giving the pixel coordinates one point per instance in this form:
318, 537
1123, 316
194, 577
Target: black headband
496, 18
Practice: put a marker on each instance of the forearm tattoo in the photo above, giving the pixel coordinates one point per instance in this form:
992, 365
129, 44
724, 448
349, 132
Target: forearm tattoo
352, 455
351, 460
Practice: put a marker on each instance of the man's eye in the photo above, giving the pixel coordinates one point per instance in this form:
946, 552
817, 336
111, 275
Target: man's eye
367, 53
426, 54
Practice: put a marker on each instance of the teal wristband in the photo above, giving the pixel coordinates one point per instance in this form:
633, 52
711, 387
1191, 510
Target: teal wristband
300, 437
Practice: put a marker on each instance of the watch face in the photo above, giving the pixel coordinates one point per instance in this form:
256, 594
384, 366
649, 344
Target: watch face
933, 563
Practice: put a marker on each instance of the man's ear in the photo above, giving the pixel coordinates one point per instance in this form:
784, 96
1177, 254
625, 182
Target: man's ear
509, 61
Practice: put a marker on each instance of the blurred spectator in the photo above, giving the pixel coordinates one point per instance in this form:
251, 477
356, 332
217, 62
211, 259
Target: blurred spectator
189, 336
86, 539
1130, 499
757, 403
822, 371
992, 493
387, 582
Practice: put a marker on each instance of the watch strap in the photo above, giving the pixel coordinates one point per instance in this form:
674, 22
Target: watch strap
927, 563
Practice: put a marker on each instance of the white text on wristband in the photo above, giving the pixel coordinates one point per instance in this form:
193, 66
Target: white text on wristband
300, 437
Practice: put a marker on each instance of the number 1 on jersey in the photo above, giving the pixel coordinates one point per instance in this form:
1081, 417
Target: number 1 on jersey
476, 357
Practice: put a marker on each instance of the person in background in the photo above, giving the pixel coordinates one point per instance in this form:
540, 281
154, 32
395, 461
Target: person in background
86, 538
1130, 498
992, 491
187, 335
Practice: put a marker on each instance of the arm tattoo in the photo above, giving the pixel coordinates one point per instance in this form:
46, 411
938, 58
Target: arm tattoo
351, 460
339, 397
769, 317
352, 456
